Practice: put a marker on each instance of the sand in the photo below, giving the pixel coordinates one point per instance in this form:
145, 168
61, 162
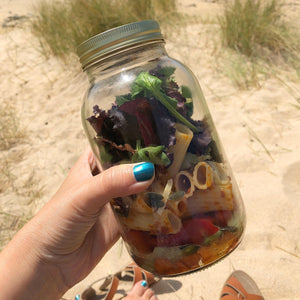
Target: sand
259, 129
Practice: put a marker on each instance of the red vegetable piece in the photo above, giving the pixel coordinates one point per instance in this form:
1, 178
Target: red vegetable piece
140, 240
199, 229
194, 231
221, 218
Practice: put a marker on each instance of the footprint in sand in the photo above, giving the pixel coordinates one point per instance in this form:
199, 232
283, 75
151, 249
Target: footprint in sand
291, 180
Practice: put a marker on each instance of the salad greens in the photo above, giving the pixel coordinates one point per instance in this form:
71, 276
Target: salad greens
150, 86
140, 126
153, 154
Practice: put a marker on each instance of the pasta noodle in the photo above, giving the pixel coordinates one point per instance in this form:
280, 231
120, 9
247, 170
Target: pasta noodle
203, 175
166, 193
184, 182
183, 138
219, 173
178, 207
166, 223
139, 205
220, 197
168, 189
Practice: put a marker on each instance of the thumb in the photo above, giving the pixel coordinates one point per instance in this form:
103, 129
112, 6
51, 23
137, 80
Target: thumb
117, 181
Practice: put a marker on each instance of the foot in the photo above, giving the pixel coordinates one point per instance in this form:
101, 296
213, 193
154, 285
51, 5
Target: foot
141, 291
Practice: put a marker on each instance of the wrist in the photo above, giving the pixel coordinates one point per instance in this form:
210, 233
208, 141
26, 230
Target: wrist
24, 275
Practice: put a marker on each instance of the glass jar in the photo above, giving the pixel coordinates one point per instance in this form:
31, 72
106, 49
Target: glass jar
143, 105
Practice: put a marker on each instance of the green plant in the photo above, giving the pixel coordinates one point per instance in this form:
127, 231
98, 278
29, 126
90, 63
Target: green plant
11, 133
14, 214
243, 72
62, 26
258, 40
256, 29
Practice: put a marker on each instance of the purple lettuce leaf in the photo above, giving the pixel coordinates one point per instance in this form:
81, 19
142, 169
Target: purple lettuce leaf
97, 119
116, 132
124, 126
201, 139
165, 123
172, 90
141, 109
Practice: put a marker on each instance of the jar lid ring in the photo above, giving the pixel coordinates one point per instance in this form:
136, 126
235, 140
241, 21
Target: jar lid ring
116, 39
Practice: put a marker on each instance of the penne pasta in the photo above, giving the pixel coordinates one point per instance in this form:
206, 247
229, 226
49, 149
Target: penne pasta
183, 138
184, 182
219, 197
165, 223
203, 175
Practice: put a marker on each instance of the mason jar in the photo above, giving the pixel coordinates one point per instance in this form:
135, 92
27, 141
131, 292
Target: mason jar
144, 106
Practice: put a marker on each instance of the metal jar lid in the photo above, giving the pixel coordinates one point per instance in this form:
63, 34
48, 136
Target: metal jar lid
116, 39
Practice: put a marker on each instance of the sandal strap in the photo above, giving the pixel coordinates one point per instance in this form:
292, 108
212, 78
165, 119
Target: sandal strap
233, 289
236, 297
110, 285
140, 274
113, 288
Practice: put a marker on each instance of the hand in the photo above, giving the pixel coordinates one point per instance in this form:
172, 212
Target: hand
74, 230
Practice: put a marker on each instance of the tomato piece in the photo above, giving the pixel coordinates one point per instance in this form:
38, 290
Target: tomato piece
141, 240
193, 231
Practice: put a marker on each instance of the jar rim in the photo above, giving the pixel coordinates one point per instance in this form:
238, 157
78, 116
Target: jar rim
116, 39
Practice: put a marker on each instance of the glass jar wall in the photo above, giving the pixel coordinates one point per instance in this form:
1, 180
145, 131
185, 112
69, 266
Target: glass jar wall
142, 105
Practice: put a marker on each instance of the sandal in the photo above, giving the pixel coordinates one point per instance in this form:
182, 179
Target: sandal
239, 286
109, 288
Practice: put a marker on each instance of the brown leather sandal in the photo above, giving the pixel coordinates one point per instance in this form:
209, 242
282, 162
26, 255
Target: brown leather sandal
240, 286
109, 288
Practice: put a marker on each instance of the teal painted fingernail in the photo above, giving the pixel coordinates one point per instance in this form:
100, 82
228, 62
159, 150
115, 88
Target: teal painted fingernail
144, 283
143, 171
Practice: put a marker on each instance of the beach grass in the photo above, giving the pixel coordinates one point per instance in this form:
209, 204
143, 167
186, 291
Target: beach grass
62, 26
11, 132
25, 194
13, 138
259, 37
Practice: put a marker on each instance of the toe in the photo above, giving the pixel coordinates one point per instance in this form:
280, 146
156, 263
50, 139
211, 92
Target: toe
139, 288
149, 295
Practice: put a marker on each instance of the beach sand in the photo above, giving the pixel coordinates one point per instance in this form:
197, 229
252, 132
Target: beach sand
259, 129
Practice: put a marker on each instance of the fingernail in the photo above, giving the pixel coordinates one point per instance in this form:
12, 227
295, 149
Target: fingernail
144, 283
143, 171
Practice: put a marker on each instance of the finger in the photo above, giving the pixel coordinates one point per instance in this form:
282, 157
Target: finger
81, 171
118, 181
84, 166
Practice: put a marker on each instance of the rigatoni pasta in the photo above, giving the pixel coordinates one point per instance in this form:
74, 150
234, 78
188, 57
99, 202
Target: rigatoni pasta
166, 222
183, 137
178, 207
218, 198
203, 175
184, 182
